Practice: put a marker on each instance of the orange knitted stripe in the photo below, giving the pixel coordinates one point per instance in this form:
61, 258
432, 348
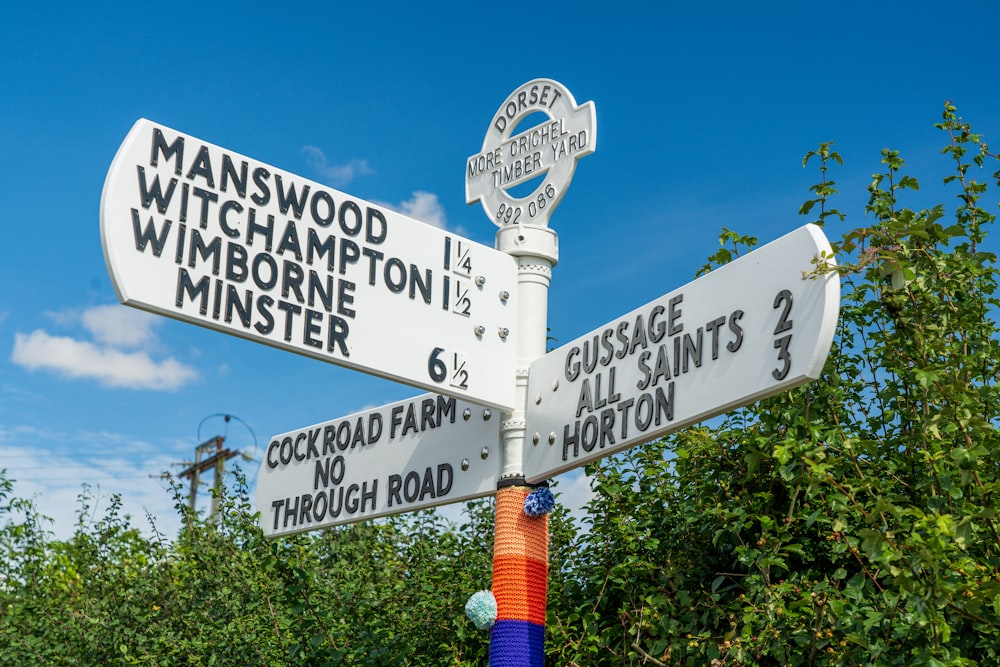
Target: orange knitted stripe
519, 585
518, 534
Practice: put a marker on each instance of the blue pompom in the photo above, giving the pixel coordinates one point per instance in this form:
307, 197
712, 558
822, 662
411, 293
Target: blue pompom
481, 609
539, 502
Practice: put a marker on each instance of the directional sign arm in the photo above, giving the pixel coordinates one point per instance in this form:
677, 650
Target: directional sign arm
755, 327
205, 235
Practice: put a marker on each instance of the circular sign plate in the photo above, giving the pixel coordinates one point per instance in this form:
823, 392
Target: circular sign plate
548, 150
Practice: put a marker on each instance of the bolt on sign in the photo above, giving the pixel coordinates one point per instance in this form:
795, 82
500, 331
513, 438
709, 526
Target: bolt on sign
748, 330
427, 451
211, 237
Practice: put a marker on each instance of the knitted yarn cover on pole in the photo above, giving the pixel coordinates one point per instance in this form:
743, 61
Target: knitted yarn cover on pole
520, 582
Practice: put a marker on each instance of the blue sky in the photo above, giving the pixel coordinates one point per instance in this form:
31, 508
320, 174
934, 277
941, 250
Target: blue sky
704, 110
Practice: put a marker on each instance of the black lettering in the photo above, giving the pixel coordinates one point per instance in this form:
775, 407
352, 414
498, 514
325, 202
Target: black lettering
375, 427
291, 512
290, 310
359, 434
149, 234
329, 439
350, 498
314, 208
266, 229
210, 251
644, 369
290, 241
313, 328
692, 349
427, 487
638, 335
609, 348
239, 179
395, 420
349, 254
416, 283
286, 450
288, 198
271, 462
589, 364
622, 336
337, 332
264, 303
316, 248
410, 424
227, 206
674, 315
193, 291
411, 486
446, 407
202, 166
367, 495
572, 366
263, 195
713, 328
623, 408
375, 226
427, 414
571, 441
356, 213
445, 476
395, 484
585, 401
657, 330
242, 307
591, 430
737, 330
160, 146
395, 285
155, 193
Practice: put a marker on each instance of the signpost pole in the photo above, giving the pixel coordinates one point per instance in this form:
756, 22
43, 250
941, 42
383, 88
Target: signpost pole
520, 549
546, 154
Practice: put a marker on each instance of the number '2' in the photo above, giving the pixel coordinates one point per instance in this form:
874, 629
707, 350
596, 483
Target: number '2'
783, 298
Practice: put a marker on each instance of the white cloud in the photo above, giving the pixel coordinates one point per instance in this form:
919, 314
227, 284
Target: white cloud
334, 174
119, 326
119, 357
425, 207
109, 366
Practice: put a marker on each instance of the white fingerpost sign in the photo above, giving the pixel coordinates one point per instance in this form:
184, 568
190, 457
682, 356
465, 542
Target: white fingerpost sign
205, 235
748, 330
547, 151
427, 451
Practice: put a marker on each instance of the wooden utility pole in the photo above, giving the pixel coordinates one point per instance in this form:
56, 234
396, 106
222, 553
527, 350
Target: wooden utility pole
216, 460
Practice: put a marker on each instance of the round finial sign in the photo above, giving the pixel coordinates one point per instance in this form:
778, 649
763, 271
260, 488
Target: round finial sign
548, 150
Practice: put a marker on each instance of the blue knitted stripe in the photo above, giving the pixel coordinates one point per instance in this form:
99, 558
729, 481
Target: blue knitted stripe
517, 644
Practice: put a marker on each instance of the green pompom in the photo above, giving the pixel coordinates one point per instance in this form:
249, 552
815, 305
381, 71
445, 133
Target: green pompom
481, 609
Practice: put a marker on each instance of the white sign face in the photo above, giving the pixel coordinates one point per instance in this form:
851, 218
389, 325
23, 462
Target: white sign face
549, 149
431, 450
208, 236
745, 331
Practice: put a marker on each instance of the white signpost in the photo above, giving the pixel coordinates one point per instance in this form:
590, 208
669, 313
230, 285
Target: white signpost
208, 236
745, 331
401, 457
199, 233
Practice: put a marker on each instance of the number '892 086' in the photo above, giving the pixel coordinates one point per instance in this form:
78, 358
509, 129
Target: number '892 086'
511, 215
